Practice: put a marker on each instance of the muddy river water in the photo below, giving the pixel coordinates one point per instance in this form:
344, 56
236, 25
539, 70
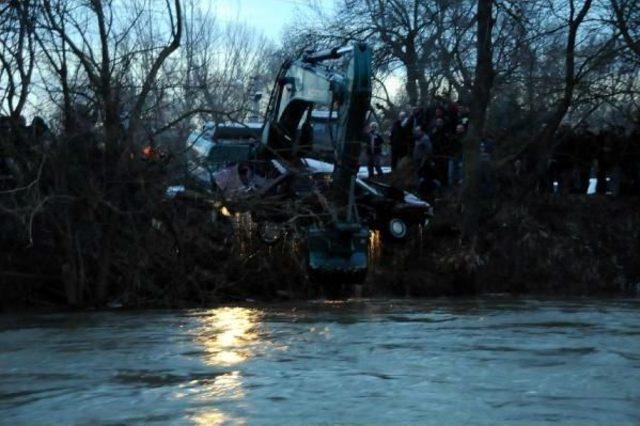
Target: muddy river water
477, 361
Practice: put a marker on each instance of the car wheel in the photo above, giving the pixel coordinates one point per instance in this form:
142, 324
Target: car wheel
270, 233
398, 228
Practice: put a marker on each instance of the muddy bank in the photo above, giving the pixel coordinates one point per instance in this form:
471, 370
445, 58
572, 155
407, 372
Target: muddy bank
574, 245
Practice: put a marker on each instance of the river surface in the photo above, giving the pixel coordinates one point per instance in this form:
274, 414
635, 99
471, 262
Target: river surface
387, 362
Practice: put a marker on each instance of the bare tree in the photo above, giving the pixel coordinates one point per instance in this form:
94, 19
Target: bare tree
105, 60
627, 21
540, 149
108, 58
17, 54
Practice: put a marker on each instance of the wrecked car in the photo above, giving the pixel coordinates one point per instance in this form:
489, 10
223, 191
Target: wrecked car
273, 184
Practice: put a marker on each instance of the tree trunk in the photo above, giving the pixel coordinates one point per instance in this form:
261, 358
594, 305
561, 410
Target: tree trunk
481, 95
105, 260
412, 85
424, 87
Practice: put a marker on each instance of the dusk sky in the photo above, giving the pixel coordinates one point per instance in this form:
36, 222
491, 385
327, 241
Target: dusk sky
268, 16
271, 17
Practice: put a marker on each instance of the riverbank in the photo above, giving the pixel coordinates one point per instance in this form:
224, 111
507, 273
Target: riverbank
569, 245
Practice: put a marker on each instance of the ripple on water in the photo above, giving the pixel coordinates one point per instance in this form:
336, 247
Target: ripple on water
360, 362
150, 378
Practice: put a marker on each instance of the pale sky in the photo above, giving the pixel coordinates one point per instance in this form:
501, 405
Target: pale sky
267, 16
272, 16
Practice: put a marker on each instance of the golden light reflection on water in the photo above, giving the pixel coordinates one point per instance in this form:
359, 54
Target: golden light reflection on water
213, 417
227, 386
228, 335
209, 417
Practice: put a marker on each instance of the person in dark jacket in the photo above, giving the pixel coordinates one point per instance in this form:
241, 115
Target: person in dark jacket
584, 153
400, 138
456, 150
609, 147
630, 166
423, 149
428, 183
561, 163
441, 150
373, 149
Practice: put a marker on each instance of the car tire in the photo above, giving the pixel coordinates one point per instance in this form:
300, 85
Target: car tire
397, 229
270, 233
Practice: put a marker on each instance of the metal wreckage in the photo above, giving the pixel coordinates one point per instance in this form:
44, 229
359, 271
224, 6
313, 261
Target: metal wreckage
284, 188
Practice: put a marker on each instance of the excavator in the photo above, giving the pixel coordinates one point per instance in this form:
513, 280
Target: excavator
338, 79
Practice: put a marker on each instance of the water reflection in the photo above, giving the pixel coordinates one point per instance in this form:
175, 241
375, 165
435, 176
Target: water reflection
491, 361
213, 417
227, 387
229, 335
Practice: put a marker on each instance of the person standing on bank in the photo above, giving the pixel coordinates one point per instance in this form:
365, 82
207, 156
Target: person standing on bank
373, 149
400, 138
423, 149
426, 176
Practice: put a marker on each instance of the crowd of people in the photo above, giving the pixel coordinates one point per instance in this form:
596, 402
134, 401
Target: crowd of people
22, 148
431, 138
610, 155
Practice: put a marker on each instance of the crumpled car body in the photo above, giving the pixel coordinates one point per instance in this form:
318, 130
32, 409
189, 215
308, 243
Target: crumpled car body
382, 207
